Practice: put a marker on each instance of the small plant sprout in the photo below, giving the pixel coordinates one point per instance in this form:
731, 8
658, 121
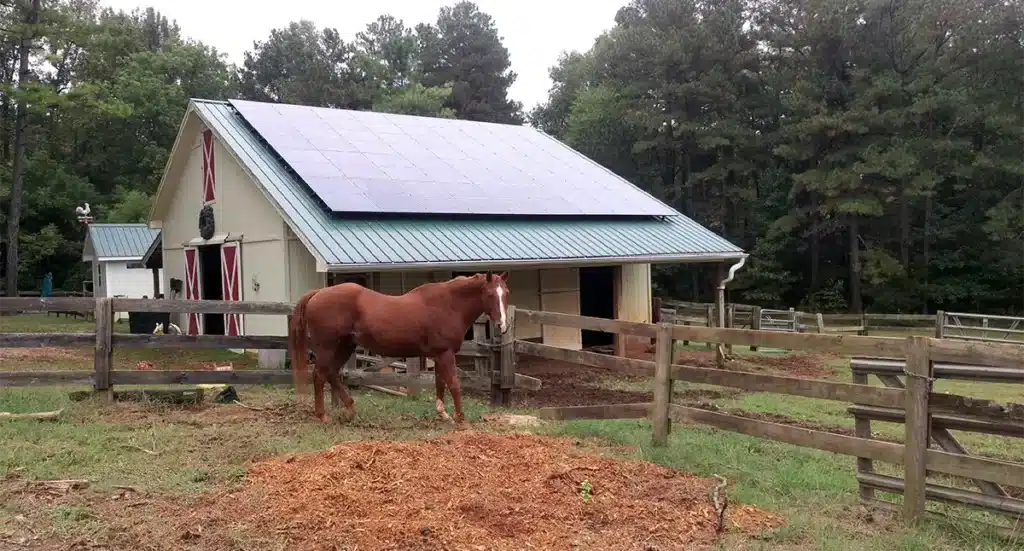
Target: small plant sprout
586, 490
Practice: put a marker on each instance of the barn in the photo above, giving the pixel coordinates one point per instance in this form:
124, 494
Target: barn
263, 201
115, 252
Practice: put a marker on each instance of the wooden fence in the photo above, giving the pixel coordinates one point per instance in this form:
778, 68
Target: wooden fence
922, 411
950, 325
491, 371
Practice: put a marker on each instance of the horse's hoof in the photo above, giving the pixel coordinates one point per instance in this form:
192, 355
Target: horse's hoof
461, 425
325, 419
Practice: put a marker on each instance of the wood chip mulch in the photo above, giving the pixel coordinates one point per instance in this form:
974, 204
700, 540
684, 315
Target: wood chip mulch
476, 491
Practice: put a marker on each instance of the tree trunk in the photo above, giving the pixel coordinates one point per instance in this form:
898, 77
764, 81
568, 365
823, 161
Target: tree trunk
815, 252
926, 248
905, 232
855, 298
20, 140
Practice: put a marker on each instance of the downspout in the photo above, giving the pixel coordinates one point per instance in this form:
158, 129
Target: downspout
720, 352
721, 289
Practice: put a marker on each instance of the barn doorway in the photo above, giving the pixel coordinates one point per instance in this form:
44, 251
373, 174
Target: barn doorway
212, 287
597, 299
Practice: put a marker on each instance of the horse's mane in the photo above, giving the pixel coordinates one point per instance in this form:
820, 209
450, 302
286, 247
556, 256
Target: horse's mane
458, 286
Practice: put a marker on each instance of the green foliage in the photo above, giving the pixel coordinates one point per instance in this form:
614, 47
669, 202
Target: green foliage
110, 89
859, 151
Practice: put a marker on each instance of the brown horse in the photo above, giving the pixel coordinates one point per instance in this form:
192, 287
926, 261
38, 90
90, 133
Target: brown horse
428, 321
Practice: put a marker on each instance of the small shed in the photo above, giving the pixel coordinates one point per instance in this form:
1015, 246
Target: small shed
115, 252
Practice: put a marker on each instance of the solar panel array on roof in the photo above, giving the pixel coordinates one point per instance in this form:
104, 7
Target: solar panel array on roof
367, 162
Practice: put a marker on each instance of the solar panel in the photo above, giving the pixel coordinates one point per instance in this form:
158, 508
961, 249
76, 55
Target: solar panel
376, 162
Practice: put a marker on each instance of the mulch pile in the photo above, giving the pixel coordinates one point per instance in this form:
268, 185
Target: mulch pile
472, 490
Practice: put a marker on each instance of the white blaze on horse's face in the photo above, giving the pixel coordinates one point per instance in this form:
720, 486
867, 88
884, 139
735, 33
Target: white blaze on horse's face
502, 308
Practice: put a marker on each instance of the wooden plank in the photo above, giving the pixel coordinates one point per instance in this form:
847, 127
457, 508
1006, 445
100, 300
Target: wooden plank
1012, 533
797, 436
201, 306
976, 353
10, 379
49, 304
917, 428
604, 411
200, 341
993, 504
39, 340
586, 322
846, 345
976, 468
664, 346
758, 382
879, 366
104, 354
1013, 429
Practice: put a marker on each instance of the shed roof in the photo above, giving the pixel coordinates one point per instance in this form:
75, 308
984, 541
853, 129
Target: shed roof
121, 241
342, 243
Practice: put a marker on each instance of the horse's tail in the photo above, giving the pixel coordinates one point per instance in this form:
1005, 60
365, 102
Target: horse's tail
297, 342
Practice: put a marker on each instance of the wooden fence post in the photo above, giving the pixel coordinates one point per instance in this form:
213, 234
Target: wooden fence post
413, 367
918, 427
506, 362
755, 322
663, 353
104, 357
481, 365
820, 320
710, 313
940, 324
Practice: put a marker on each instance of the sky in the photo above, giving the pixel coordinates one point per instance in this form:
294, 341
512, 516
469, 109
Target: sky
534, 31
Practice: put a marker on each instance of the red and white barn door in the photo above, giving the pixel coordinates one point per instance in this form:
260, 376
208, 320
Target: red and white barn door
231, 280
194, 324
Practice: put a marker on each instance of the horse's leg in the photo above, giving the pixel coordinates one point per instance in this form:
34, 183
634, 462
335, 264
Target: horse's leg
446, 362
339, 390
321, 369
318, 393
439, 383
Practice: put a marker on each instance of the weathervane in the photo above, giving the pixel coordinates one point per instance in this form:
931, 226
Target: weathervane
83, 214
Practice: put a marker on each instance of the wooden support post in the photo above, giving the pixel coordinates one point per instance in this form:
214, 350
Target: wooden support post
710, 314
104, 357
755, 322
730, 322
820, 320
940, 324
863, 324
655, 312
663, 352
918, 428
507, 361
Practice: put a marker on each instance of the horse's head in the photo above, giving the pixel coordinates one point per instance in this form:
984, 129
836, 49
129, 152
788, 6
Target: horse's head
495, 298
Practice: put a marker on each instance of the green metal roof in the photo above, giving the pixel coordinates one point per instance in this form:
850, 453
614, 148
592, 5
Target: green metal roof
121, 241
382, 243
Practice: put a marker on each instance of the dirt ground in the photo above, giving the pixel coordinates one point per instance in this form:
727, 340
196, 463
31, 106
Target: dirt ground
464, 490
569, 384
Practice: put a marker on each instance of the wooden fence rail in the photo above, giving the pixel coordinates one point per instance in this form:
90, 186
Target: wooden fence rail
493, 371
920, 359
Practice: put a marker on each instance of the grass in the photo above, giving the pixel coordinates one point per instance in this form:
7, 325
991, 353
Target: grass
182, 452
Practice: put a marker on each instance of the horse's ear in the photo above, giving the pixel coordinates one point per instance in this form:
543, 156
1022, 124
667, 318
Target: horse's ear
503, 275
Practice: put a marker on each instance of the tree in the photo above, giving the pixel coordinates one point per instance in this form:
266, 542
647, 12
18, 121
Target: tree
28, 35
464, 51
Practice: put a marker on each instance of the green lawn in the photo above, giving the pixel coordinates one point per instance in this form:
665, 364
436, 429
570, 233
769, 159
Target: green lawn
174, 452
